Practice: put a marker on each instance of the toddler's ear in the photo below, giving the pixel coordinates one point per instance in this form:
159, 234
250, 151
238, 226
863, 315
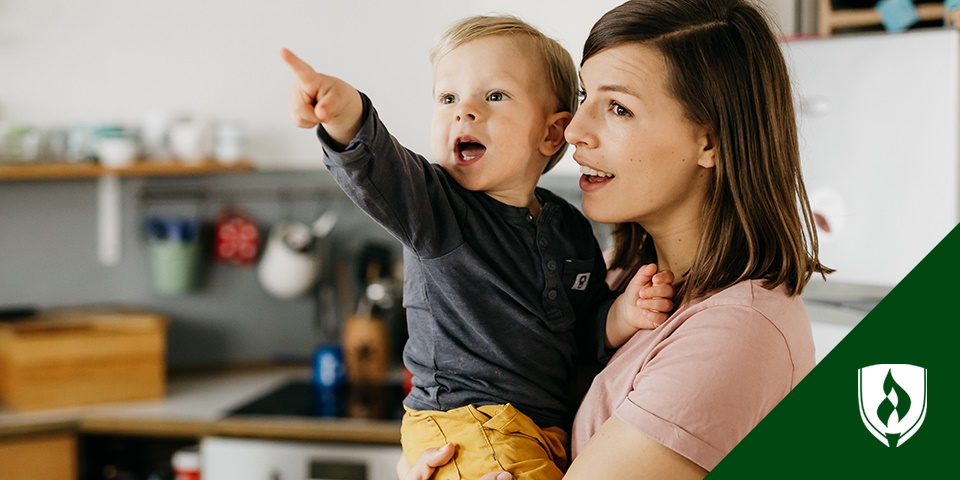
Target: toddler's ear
554, 139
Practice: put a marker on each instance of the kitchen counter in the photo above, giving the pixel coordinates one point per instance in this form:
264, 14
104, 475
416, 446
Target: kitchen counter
196, 405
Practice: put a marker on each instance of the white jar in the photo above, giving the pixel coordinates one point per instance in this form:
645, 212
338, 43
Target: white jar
191, 141
230, 143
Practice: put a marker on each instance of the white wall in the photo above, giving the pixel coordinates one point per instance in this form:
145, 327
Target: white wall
66, 62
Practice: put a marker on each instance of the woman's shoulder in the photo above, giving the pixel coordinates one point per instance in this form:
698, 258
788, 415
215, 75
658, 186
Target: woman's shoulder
757, 318
755, 295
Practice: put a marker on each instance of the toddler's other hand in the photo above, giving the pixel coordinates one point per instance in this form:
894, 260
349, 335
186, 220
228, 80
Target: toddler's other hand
652, 295
656, 297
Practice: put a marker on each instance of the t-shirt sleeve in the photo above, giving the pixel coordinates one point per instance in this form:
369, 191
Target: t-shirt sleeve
398, 188
710, 383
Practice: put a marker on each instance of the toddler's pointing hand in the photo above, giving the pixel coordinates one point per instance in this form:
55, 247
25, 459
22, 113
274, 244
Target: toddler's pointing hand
317, 98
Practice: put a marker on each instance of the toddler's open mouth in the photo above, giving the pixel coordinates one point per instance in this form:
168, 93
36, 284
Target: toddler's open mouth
469, 149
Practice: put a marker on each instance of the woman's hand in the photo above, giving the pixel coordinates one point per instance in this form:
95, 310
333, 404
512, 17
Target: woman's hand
433, 458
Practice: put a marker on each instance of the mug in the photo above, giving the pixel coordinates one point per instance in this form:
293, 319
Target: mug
191, 141
174, 265
290, 265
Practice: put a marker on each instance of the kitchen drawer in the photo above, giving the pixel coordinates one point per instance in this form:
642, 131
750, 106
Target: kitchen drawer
43, 457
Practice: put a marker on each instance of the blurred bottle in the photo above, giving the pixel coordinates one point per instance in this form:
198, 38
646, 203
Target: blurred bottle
186, 463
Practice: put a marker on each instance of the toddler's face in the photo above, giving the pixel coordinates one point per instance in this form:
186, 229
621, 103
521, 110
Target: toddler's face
492, 105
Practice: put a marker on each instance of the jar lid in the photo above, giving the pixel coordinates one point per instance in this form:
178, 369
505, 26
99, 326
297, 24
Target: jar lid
186, 459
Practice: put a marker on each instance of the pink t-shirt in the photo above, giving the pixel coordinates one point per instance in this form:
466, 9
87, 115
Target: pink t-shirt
701, 381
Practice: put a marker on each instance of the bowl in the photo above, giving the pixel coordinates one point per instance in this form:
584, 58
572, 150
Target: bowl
114, 152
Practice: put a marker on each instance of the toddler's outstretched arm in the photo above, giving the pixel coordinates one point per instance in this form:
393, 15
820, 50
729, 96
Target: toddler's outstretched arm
317, 98
646, 303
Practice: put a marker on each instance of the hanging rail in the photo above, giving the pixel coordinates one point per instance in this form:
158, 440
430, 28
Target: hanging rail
258, 194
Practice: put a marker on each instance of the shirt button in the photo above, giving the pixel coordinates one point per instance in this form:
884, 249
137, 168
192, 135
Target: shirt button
530, 217
552, 294
551, 265
543, 242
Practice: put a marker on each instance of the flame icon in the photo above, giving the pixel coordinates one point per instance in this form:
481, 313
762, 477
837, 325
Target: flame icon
887, 410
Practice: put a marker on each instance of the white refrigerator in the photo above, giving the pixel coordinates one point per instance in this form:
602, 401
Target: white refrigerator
879, 125
879, 122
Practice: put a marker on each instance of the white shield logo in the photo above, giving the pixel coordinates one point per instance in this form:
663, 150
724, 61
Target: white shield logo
893, 401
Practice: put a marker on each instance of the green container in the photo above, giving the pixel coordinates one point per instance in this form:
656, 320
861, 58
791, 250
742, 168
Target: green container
174, 266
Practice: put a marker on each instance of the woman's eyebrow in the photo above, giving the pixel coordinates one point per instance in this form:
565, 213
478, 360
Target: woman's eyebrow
618, 89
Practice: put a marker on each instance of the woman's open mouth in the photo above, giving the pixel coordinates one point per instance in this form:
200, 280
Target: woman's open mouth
468, 149
595, 176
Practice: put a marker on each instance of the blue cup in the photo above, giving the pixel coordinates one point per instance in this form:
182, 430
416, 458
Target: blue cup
328, 369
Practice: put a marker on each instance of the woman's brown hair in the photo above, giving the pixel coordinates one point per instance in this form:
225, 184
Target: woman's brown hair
726, 69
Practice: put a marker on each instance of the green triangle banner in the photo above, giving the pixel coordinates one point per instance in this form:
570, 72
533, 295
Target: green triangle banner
880, 404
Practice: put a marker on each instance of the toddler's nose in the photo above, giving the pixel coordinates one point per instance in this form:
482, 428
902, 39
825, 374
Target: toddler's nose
467, 111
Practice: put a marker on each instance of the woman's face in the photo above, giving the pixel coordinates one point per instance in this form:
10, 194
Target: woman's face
643, 160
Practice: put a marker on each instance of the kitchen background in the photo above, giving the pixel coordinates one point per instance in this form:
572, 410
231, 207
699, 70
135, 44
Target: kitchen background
117, 62
878, 112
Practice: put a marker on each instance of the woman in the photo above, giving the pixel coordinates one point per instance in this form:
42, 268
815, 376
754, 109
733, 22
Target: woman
687, 135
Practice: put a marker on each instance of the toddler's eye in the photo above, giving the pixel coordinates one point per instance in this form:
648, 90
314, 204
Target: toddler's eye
447, 98
495, 97
581, 96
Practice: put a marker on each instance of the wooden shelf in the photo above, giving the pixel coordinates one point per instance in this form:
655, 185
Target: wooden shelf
55, 171
829, 19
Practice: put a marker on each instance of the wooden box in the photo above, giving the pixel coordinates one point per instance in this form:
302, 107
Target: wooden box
82, 357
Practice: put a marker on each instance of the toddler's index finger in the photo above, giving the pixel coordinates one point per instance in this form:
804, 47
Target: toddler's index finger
303, 70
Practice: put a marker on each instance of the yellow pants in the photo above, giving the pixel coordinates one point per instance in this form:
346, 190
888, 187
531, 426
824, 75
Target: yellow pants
488, 438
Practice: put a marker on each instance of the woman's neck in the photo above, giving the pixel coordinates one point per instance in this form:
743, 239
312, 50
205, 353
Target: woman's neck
676, 248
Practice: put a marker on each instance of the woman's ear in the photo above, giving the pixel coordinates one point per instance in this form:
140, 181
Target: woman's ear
708, 150
556, 124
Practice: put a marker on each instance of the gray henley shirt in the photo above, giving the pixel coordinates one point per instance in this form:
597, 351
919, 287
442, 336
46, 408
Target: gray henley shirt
500, 306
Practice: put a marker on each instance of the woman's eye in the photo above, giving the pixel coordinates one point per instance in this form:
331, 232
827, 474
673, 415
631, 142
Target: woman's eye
447, 99
581, 96
495, 97
619, 110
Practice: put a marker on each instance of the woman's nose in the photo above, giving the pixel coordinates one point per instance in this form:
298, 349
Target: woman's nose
577, 132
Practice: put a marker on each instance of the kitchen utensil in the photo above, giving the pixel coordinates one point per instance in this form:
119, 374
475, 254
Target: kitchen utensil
174, 247
191, 140
289, 266
114, 152
19, 143
236, 237
366, 349
230, 141
155, 132
324, 224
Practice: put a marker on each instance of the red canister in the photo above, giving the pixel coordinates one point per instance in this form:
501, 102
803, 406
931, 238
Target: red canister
236, 238
186, 464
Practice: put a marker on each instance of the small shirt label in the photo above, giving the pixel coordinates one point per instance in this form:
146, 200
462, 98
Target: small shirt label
581, 281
